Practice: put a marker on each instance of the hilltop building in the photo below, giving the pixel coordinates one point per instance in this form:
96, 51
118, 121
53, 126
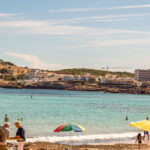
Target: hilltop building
32, 74
142, 75
117, 81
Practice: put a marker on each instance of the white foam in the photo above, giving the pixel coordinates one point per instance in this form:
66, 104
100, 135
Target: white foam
84, 139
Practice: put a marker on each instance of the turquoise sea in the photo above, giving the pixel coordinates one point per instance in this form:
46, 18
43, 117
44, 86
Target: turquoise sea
102, 114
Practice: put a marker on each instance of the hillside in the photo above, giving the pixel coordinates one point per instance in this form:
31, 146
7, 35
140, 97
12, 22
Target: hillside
8, 68
79, 71
11, 72
2, 62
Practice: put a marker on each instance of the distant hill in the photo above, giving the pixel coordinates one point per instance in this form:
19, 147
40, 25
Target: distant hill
6, 63
73, 71
80, 71
9, 71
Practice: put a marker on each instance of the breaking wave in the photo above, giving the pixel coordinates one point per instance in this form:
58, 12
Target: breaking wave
86, 139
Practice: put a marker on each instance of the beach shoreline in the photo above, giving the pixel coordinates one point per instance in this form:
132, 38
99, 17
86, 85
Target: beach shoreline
55, 146
127, 144
113, 90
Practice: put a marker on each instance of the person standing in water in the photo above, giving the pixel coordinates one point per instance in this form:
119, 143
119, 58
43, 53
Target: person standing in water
6, 119
127, 118
146, 133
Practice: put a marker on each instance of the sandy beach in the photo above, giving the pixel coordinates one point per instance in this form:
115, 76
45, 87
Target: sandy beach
52, 146
103, 115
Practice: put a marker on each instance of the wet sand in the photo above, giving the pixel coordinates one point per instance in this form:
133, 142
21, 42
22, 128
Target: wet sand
52, 146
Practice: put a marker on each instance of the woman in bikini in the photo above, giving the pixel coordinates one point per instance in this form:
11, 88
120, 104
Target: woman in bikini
139, 139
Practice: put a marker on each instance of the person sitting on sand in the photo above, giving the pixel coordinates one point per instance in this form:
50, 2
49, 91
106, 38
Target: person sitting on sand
4, 135
139, 139
146, 133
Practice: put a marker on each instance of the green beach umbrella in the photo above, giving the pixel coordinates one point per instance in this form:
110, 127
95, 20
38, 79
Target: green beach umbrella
70, 127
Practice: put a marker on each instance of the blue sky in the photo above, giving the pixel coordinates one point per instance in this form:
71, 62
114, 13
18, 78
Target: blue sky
57, 34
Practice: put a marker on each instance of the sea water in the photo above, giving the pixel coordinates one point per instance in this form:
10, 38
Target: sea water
102, 114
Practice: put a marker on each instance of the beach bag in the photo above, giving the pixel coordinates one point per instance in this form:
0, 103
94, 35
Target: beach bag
2, 135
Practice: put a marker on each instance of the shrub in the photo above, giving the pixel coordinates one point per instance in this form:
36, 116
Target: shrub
3, 70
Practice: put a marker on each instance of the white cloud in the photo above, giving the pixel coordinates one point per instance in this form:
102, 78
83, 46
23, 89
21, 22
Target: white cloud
38, 23
51, 27
22, 23
129, 7
96, 9
34, 61
105, 18
42, 27
72, 10
116, 43
6, 15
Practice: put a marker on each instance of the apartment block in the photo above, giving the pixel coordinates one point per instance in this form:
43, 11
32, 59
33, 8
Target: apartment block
142, 75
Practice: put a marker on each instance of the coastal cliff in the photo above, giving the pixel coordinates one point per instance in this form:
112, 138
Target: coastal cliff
82, 79
79, 87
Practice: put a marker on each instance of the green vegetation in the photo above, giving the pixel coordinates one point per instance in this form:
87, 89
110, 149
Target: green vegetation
6, 63
80, 71
74, 71
20, 77
6, 73
4, 70
9, 78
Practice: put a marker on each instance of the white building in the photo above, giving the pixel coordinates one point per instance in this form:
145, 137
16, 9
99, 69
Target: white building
32, 74
41, 74
117, 81
77, 77
85, 78
68, 78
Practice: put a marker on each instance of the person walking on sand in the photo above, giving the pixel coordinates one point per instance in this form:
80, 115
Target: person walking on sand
139, 140
4, 135
20, 135
6, 119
